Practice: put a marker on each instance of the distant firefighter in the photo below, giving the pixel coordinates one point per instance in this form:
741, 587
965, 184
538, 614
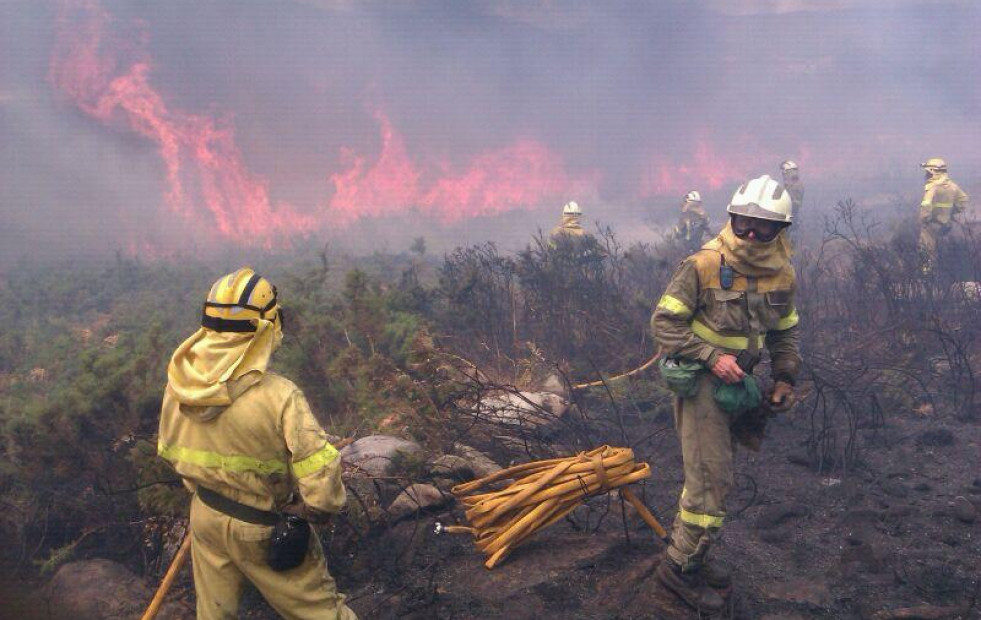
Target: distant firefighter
943, 200
571, 216
794, 186
694, 227
723, 306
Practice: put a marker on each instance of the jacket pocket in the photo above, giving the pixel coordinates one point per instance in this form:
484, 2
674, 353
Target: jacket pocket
726, 309
778, 299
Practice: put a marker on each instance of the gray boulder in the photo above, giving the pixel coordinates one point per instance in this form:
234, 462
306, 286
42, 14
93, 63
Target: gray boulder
104, 590
416, 498
480, 464
373, 455
522, 408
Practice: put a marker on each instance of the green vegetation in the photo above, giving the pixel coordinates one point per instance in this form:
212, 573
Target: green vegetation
396, 342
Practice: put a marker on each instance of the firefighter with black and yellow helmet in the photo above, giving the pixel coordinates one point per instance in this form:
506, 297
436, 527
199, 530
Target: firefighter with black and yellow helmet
245, 442
943, 200
723, 306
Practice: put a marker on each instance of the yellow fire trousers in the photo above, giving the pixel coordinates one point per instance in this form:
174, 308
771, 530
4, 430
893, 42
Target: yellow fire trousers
707, 449
226, 552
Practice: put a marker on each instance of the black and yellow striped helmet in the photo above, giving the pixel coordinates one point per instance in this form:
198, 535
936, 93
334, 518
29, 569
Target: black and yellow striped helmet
238, 300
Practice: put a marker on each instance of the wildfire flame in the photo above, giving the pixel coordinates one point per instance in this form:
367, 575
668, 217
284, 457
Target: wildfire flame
108, 78
86, 66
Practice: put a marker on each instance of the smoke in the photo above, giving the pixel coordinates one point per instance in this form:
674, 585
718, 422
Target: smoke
156, 126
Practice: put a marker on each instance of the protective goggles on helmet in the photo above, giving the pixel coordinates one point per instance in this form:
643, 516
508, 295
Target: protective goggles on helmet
762, 230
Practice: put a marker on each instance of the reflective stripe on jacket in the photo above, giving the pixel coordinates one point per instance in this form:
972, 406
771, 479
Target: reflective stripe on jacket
942, 199
259, 450
696, 319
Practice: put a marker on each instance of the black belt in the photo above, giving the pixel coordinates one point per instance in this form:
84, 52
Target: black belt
236, 510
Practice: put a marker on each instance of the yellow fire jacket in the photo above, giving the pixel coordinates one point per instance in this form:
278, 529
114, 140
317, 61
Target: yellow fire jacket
942, 199
259, 450
696, 319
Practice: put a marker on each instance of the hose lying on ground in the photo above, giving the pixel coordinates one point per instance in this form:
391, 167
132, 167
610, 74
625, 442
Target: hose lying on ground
542, 493
639, 369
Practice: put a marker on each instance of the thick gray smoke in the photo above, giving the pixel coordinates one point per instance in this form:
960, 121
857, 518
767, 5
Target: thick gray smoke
629, 104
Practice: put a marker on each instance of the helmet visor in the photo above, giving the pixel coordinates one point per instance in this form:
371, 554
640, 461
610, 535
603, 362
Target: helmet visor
755, 229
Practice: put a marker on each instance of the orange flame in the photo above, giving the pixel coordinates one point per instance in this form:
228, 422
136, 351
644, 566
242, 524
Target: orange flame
85, 67
209, 183
522, 175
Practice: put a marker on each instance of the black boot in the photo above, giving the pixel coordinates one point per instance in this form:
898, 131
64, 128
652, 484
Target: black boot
689, 587
715, 576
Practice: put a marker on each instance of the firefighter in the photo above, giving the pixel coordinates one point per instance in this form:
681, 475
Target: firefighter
693, 225
246, 444
794, 186
724, 304
943, 200
570, 225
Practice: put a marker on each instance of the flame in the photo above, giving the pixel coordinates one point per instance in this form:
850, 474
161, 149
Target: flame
107, 77
387, 187
705, 170
86, 67
522, 175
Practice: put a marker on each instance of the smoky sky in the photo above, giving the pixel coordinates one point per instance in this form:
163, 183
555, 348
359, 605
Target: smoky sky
618, 92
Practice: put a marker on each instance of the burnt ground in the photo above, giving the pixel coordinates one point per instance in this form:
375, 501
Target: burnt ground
890, 534
900, 530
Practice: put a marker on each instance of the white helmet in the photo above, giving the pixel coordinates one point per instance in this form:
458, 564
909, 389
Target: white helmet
571, 208
693, 196
934, 165
762, 198
788, 165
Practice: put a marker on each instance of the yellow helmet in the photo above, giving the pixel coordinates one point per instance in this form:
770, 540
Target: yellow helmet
934, 165
238, 301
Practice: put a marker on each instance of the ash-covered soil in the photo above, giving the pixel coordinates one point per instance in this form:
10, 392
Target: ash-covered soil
898, 536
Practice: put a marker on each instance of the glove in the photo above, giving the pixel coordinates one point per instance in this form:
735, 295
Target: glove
782, 397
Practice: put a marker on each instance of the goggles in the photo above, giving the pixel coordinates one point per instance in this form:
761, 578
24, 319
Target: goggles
762, 230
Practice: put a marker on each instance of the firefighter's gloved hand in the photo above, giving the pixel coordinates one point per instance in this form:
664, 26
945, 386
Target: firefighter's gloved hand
782, 397
727, 368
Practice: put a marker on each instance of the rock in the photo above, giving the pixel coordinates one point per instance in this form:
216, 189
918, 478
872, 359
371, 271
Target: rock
374, 454
964, 510
801, 591
415, 498
104, 590
894, 488
775, 514
556, 385
922, 612
480, 464
364, 506
452, 466
522, 408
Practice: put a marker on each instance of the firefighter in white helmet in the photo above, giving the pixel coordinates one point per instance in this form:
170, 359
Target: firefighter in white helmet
723, 306
943, 201
693, 227
795, 187
245, 442
571, 222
